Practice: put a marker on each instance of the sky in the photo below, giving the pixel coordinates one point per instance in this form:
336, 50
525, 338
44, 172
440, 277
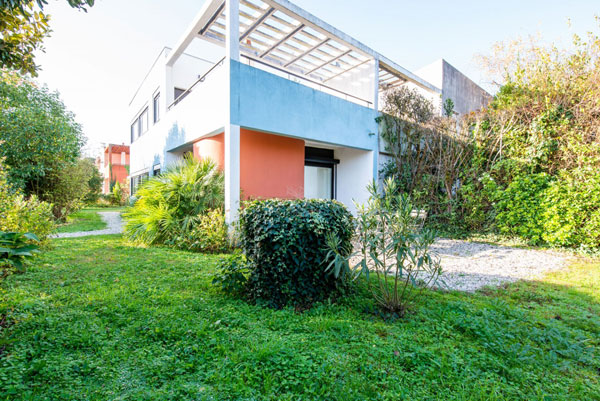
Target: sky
96, 60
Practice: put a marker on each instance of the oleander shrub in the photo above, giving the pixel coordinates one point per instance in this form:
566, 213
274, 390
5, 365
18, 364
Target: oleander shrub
392, 251
284, 242
520, 207
172, 208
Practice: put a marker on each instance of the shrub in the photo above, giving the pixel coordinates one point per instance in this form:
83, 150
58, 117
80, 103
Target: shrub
393, 252
21, 214
520, 207
68, 188
285, 243
119, 195
209, 234
232, 275
572, 209
172, 205
15, 248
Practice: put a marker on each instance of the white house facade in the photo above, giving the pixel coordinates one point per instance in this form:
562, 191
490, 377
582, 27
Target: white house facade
283, 102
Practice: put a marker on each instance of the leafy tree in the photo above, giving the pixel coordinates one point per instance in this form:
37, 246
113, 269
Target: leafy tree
68, 187
24, 26
94, 183
41, 137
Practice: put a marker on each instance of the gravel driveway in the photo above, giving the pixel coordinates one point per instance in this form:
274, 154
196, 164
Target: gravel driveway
469, 266
114, 225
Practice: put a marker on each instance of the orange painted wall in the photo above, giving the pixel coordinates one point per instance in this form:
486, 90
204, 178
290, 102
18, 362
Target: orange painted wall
271, 166
213, 148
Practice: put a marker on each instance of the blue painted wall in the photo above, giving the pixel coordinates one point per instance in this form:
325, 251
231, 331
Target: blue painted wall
266, 102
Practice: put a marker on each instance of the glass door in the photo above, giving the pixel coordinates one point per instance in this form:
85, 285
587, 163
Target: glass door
318, 182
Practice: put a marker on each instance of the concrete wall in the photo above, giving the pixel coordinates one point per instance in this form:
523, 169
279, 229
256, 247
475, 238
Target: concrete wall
466, 94
354, 174
273, 104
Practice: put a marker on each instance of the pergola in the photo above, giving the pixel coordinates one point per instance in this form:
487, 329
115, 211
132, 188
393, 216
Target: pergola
282, 35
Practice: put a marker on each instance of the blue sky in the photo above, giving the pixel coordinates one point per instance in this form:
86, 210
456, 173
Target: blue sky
97, 59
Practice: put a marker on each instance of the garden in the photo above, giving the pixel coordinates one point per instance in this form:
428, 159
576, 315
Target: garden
300, 299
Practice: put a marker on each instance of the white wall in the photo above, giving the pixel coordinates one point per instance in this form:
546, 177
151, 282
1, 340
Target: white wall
202, 112
354, 174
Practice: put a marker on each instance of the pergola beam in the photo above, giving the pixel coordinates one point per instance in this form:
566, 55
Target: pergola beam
285, 38
307, 52
257, 23
329, 62
348, 70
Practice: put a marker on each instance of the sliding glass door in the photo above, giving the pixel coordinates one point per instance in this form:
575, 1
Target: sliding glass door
318, 182
319, 173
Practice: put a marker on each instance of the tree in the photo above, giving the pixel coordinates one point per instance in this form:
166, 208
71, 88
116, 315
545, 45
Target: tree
41, 137
68, 187
24, 26
94, 183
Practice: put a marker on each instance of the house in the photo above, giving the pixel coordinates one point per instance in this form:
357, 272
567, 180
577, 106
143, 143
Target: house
282, 101
115, 167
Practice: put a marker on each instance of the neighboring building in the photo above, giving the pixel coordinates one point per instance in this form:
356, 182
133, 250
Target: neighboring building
466, 94
115, 167
283, 102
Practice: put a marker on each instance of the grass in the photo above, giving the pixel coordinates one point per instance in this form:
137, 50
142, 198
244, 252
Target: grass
86, 219
97, 319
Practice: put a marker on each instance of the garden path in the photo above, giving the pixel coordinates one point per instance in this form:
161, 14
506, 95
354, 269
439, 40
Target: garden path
469, 266
114, 225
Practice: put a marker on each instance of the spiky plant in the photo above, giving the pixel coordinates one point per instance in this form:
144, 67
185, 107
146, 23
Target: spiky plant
169, 205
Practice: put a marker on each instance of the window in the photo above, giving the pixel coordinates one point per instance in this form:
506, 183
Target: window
144, 122
137, 180
319, 174
156, 107
140, 125
134, 131
179, 92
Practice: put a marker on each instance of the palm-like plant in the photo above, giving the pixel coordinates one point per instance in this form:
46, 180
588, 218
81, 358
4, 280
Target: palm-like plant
170, 204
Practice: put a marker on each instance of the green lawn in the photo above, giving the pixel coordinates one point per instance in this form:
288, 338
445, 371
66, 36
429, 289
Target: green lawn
96, 319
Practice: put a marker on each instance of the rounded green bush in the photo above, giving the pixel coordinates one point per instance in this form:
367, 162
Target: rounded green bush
285, 244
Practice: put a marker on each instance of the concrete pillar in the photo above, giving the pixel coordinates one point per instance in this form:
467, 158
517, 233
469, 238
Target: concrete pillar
376, 109
232, 131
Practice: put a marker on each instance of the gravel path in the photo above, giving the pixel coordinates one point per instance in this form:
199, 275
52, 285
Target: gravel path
469, 266
113, 222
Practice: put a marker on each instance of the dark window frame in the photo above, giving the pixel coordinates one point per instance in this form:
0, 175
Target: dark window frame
318, 157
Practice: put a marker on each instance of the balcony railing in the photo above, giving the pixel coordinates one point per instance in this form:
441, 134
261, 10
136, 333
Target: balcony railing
200, 80
306, 81
282, 73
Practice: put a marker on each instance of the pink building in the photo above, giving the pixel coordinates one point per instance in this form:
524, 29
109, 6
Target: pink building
115, 167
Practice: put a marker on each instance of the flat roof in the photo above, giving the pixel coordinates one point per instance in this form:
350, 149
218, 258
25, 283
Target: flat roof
279, 33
